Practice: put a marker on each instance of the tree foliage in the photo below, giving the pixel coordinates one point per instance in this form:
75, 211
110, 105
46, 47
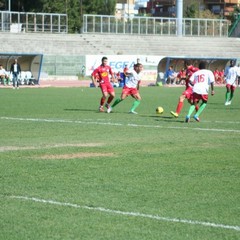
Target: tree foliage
76, 8
192, 9
234, 15
73, 8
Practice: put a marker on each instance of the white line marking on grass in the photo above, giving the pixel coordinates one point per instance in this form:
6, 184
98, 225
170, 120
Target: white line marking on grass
133, 214
116, 124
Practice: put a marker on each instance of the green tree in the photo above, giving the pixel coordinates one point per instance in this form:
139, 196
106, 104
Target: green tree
191, 8
3, 5
102, 7
73, 8
234, 16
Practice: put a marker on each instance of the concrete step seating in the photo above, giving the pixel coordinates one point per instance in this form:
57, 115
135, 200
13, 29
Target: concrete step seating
111, 44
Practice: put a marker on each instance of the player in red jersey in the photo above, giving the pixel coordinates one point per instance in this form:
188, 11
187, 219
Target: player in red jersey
101, 75
190, 69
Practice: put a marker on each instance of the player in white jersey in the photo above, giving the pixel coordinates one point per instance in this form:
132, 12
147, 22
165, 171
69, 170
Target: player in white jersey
131, 88
201, 81
231, 81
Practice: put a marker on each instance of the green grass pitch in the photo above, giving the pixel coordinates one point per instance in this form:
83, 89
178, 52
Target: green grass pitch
70, 172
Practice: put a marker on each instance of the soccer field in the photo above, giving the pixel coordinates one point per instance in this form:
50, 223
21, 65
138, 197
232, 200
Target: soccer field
70, 172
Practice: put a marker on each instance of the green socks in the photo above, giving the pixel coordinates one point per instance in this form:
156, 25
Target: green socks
227, 96
135, 105
117, 101
203, 105
192, 108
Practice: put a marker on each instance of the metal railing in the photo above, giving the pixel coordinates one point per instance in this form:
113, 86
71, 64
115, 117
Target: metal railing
33, 22
154, 25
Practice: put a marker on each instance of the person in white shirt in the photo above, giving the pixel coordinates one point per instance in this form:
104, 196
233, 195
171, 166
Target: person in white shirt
131, 88
231, 81
4, 75
200, 80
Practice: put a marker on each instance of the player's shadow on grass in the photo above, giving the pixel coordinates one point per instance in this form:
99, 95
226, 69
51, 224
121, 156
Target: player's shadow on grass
80, 110
222, 104
215, 103
166, 118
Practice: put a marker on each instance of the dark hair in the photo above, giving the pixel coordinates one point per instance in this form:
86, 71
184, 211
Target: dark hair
104, 58
232, 62
202, 65
137, 64
187, 62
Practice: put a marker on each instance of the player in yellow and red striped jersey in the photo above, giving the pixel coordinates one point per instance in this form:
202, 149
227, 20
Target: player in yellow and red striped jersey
101, 76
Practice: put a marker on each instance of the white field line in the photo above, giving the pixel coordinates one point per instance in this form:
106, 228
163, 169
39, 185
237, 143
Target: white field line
133, 214
116, 124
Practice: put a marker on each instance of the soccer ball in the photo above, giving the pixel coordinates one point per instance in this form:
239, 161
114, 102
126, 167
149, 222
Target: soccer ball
159, 110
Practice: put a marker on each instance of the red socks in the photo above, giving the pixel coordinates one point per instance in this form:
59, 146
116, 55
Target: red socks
179, 107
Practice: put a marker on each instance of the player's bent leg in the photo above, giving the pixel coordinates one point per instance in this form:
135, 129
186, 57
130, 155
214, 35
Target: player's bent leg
117, 101
201, 108
137, 96
110, 98
134, 106
190, 111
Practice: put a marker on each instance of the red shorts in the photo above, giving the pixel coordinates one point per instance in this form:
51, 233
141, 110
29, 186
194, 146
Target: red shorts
187, 93
197, 97
106, 87
228, 86
129, 91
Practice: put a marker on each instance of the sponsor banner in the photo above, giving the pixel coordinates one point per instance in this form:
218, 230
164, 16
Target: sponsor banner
118, 62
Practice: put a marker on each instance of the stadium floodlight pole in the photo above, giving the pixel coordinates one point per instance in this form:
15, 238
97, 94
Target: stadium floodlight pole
9, 5
179, 17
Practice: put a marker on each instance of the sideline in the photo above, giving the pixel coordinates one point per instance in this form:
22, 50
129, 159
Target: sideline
133, 214
116, 124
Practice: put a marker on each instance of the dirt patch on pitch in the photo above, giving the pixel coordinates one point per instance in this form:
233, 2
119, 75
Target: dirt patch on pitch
14, 148
77, 145
74, 155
